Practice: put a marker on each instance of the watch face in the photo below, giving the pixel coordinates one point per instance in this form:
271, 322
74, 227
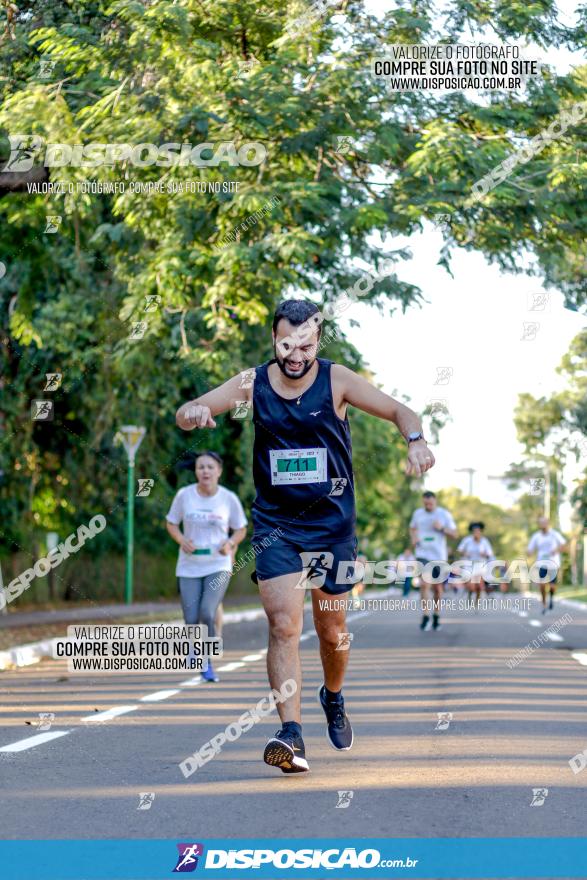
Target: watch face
415, 435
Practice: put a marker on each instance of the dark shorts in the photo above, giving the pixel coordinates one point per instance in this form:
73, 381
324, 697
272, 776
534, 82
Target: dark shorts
434, 573
320, 563
543, 573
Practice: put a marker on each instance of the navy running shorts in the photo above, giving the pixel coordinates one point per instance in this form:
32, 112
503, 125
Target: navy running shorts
326, 566
543, 572
434, 573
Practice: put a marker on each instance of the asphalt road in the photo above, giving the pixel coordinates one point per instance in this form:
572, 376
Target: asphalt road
512, 730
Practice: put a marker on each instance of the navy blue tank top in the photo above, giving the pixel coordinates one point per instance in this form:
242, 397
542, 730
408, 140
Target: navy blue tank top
302, 462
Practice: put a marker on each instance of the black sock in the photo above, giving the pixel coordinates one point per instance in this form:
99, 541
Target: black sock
332, 696
435, 618
293, 727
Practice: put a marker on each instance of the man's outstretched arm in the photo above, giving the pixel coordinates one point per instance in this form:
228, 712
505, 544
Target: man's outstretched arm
360, 393
199, 413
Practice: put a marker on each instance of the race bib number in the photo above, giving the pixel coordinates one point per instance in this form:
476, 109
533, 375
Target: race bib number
297, 466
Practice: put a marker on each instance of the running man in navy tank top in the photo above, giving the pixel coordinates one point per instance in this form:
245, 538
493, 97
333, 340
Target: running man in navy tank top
304, 510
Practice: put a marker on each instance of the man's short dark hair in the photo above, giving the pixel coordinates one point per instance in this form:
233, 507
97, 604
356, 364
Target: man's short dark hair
476, 525
428, 494
296, 311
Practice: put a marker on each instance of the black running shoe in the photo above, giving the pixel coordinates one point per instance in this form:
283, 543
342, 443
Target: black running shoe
436, 622
339, 731
286, 750
425, 625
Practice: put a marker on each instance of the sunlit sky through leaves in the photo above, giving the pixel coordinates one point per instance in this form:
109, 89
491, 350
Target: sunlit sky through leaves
474, 325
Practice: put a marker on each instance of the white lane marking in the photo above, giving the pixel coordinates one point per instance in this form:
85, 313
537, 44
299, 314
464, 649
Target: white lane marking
33, 741
157, 696
116, 711
534, 623
109, 714
580, 657
554, 637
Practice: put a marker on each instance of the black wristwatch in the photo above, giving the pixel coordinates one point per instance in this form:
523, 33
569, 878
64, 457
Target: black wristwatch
413, 436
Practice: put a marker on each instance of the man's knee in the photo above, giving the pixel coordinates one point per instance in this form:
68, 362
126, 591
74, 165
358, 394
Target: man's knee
285, 626
329, 632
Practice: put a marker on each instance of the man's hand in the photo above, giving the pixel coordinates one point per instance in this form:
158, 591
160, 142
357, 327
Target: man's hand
420, 459
187, 546
198, 416
201, 412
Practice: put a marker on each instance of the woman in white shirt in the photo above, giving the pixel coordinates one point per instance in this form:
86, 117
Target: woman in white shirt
207, 512
477, 550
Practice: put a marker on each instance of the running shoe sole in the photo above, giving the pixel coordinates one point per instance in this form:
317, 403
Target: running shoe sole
336, 748
278, 754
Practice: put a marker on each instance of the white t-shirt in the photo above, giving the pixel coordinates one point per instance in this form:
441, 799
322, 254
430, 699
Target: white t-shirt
431, 544
546, 546
205, 521
475, 550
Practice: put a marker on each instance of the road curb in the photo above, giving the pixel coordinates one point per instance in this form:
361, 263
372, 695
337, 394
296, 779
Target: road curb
33, 652
28, 654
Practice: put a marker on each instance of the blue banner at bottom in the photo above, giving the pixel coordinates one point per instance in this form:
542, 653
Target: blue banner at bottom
223, 859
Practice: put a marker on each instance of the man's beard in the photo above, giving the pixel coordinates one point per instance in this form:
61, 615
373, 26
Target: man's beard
281, 363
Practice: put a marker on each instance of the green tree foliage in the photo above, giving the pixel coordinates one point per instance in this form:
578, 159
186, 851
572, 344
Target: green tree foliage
191, 72
554, 428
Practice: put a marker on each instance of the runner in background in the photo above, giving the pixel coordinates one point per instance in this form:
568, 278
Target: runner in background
407, 556
546, 545
477, 550
430, 526
189, 463
207, 512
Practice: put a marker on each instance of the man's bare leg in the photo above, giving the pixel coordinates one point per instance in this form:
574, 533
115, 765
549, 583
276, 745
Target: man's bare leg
330, 623
283, 601
331, 628
437, 590
284, 607
425, 602
424, 595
